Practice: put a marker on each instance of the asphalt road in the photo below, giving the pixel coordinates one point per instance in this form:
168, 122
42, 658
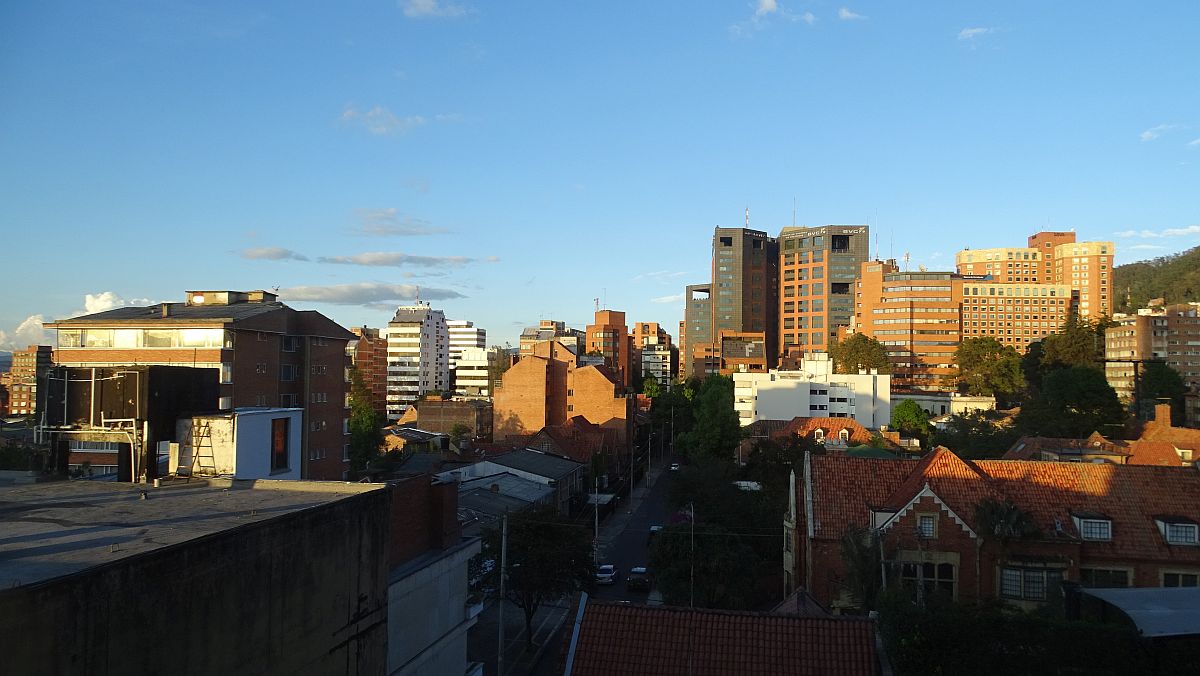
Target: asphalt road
630, 548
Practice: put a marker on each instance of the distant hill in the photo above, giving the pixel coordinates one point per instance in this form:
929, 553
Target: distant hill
1175, 277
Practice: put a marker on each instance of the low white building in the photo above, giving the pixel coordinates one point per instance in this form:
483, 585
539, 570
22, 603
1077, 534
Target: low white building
948, 403
245, 443
473, 370
813, 391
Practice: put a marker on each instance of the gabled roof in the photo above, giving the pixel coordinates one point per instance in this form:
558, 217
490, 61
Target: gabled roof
846, 489
951, 478
1180, 437
806, 427
577, 438
636, 640
1031, 448
1159, 453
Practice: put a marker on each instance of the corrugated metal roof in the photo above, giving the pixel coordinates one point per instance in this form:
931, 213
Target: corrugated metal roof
536, 462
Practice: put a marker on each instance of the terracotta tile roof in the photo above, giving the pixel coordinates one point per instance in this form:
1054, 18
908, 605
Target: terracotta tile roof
635, 640
765, 428
1131, 496
806, 427
577, 438
1031, 448
1160, 453
1180, 437
846, 489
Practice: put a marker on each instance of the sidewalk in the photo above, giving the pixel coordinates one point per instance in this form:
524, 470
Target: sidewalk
483, 637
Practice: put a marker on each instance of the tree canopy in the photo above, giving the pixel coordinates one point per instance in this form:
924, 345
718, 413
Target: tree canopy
1073, 402
978, 434
988, 367
1078, 343
366, 424
717, 558
548, 558
909, 418
859, 352
716, 430
1162, 383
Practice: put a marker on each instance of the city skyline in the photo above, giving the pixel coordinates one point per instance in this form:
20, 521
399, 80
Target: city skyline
350, 156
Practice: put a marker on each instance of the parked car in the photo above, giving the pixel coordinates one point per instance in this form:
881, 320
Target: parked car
606, 574
654, 530
638, 580
674, 467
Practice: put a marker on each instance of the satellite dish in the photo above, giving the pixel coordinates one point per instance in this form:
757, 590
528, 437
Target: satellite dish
921, 268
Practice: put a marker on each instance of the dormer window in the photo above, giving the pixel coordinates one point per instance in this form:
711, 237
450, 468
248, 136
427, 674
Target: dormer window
819, 434
1095, 529
844, 435
1178, 530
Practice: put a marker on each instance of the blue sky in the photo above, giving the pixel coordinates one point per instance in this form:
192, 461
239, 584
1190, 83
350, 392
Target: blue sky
517, 160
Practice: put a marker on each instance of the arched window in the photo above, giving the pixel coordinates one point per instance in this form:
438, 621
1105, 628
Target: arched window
819, 434
844, 435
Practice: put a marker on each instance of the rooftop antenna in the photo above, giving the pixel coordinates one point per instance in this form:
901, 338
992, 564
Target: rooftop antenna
747, 216
793, 212
906, 257
597, 305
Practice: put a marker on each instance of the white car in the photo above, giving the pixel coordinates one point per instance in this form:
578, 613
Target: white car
606, 574
674, 467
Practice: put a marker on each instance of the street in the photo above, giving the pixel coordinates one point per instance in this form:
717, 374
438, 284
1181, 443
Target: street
624, 539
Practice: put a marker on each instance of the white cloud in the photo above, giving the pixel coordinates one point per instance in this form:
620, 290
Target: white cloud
1168, 232
659, 275
766, 7
1194, 144
968, 34
1158, 130
366, 293
396, 259
390, 223
845, 14
100, 302
424, 9
272, 253
676, 298
1144, 247
380, 121
808, 18
28, 332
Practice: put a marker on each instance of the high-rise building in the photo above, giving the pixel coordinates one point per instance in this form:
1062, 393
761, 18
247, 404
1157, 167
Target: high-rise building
817, 270
1051, 258
370, 360
745, 269
418, 360
266, 354
474, 369
29, 366
609, 337
695, 330
1166, 333
463, 335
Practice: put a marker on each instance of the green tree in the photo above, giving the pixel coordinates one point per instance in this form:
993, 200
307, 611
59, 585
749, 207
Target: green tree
1073, 402
716, 430
862, 556
366, 424
978, 434
651, 388
1031, 366
1078, 343
713, 565
859, 352
988, 367
1162, 383
548, 558
909, 418
460, 432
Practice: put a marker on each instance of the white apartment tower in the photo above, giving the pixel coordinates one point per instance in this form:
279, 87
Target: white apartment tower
418, 356
463, 334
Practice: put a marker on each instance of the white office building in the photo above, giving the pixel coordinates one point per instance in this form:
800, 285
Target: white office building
418, 356
463, 335
471, 378
813, 391
656, 363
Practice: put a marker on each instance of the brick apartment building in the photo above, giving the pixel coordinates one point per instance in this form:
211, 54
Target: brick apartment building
609, 337
817, 269
1051, 258
1101, 525
550, 329
28, 367
370, 360
543, 390
1166, 333
266, 354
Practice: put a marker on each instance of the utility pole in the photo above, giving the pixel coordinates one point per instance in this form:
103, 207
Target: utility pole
692, 557
596, 515
503, 570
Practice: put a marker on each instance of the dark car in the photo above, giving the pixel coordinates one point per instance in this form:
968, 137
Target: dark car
638, 580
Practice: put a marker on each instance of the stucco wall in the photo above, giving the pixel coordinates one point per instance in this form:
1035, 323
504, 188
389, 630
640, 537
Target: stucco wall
432, 641
302, 593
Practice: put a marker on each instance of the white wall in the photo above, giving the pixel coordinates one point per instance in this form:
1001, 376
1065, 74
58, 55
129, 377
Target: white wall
783, 395
241, 443
427, 617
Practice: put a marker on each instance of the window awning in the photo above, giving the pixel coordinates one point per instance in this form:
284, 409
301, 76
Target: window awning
1157, 612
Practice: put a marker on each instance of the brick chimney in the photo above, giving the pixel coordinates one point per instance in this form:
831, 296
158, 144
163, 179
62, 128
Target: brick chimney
1162, 414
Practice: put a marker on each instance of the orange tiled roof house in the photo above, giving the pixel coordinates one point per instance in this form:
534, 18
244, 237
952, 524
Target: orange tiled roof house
1101, 525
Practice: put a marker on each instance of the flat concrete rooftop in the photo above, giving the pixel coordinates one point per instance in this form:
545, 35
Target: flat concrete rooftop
52, 529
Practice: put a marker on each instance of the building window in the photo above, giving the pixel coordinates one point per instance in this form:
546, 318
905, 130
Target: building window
1096, 529
927, 526
287, 372
1181, 533
291, 343
260, 367
279, 444
1180, 579
1102, 577
225, 403
319, 369
346, 453
928, 577
1030, 584
226, 373
289, 400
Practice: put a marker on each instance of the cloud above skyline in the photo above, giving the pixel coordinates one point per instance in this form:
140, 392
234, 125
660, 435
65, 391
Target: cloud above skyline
370, 294
674, 298
271, 253
1155, 234
431, 9
28, 332
389, 222
396, 259
380, 121
969, 34
846, 14
1158, 130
